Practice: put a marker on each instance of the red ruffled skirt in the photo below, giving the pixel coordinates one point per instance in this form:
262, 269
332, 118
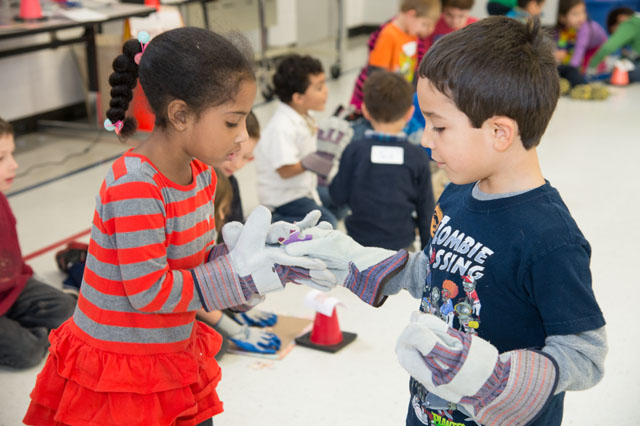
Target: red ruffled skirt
84, 386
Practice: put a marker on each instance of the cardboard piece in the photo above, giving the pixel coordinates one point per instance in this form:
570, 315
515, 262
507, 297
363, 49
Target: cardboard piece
287, 329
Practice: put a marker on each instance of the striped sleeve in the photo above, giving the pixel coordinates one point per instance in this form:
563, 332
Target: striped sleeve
129, 245
217, 251
219, 287
369, 284
527, 387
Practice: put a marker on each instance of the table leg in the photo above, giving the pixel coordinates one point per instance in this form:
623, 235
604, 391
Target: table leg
93, 107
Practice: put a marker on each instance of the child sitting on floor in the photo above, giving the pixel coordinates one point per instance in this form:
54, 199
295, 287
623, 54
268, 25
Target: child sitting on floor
577, 39
241, 328
239, 160
383, 178
286, 177
624, 26
29, 309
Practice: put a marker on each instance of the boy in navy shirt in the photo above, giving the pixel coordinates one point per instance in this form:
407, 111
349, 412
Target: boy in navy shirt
383, 178
508, 320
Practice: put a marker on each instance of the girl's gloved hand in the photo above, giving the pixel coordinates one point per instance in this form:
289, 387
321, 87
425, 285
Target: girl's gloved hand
313, 273
253, 259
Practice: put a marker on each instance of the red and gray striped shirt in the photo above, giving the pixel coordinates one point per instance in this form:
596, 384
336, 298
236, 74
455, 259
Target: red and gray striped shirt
138, 294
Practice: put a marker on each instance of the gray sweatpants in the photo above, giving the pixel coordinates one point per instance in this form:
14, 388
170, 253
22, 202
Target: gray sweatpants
24, 328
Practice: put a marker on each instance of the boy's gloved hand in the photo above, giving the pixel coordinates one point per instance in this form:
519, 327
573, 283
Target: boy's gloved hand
255, 318
303, 270
360, 269
468, 371
333, 136
252, 339
252, 258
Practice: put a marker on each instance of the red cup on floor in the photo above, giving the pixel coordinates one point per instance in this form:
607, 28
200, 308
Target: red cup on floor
326, 330
619, 77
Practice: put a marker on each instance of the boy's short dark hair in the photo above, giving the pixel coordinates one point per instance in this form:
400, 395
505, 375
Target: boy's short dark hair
498, 67
5, 128
387, 96
458, 4
253, 127
292, 75
522, 4
612, 17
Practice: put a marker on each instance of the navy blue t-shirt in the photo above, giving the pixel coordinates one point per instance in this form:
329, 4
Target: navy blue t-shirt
513, 271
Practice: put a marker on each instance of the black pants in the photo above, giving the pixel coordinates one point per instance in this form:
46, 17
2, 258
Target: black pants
206, 423
572, 74
24, 328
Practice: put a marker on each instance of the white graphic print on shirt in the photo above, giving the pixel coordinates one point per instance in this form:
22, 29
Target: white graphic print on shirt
458, 260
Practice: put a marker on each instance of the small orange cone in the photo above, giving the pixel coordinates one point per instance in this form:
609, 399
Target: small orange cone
152, 3
142, 111
326, 334
326, 330
30, 10
619, 76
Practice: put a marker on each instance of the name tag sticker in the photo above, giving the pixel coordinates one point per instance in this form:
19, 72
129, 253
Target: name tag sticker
387, 154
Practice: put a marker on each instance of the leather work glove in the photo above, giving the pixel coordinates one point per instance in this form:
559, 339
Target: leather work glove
250, 267
334, 134
316, 276
363, 270
495, 389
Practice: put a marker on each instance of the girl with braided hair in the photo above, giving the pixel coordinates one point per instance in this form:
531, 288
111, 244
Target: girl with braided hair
133, 353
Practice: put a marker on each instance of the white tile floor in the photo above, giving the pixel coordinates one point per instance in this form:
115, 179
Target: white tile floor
589, 153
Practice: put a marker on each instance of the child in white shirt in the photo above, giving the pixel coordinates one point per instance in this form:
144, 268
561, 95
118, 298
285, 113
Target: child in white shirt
286, 177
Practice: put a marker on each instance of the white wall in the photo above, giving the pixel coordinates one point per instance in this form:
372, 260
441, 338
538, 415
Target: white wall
306, 21
363, 12
285, 31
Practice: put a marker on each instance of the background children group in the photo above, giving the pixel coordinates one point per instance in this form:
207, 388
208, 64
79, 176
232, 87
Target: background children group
383, 178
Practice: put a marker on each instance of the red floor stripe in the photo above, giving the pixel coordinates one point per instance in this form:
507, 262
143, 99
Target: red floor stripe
55, 245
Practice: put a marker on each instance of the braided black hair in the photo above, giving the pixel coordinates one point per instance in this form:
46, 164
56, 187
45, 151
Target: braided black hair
200, 67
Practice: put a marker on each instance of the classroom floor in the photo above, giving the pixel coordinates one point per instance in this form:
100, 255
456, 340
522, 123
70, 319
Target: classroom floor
588, 153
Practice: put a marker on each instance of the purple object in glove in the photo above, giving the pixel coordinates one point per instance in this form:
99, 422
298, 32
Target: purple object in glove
295, 238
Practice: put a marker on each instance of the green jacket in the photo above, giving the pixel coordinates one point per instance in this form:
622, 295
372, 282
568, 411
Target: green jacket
508, 3
627, 34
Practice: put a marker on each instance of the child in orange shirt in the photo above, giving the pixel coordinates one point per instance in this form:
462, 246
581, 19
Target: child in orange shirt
396, 46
